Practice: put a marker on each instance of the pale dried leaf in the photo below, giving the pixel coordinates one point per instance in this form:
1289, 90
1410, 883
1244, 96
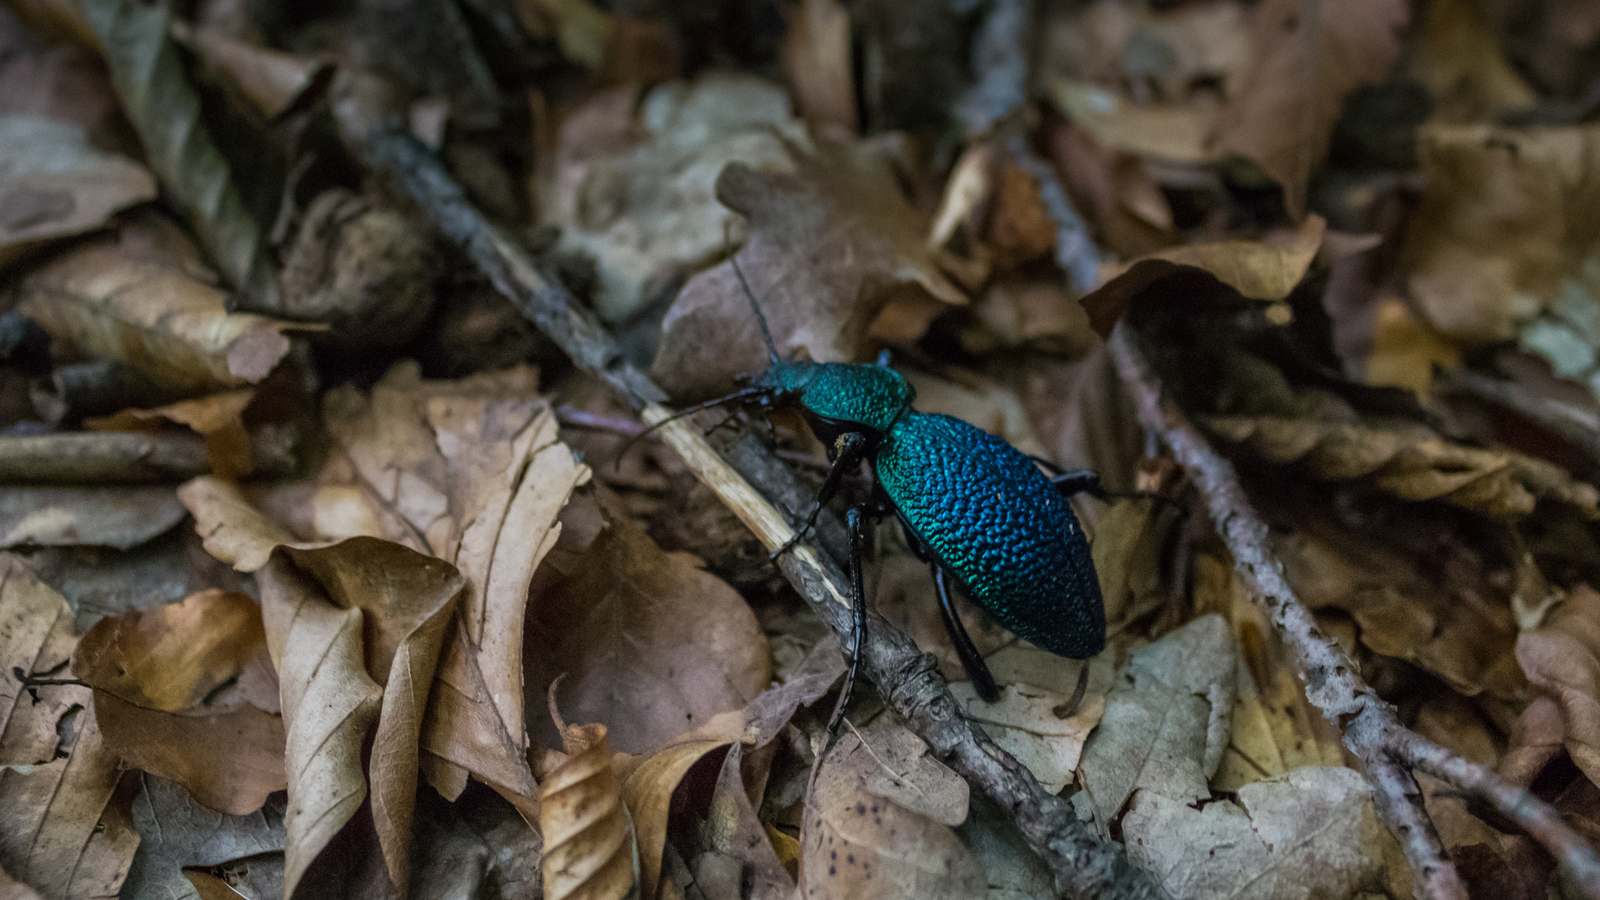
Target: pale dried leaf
175, 832
140, 297
647, 790
1562, 662
53, 184
1027, 722
817, 63
187, 692
232, 529
271, 79
106, 516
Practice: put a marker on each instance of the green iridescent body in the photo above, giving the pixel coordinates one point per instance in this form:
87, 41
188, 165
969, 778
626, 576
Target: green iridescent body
980, 506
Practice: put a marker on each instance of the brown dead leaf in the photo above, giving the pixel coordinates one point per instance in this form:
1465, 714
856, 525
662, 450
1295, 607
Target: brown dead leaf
53, 184
1310, 833
1562, 662
1179, 132
1115, 188
1462, 65
187, 692
143, 298
589, 849
856, 843
63, 835
1304, 58
616, 627
1029, 723
271, 79
232, 529
1267, 269
1166, 721
648, 213
647, 790
217, 417
1506, 223
829, 244
104, 516
738, 861
817, 63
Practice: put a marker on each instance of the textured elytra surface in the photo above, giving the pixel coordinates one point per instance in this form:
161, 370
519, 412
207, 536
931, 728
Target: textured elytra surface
998, 524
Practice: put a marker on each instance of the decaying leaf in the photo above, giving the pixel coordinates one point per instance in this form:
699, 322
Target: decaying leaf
1034, 725
1166, 721
1410, 461
217, 417
176, 832
647, 790
63, 835
1562, 662
1310, 833
53, 184
829, 244
1463, 66
738, 860
616, 628
187, 692
858, 843
1304, 58
589, 849
142, 297
108, 516
271, 79
232, 529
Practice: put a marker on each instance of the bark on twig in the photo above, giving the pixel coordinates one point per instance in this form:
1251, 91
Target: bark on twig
1083, 866
1388, 751
115, 457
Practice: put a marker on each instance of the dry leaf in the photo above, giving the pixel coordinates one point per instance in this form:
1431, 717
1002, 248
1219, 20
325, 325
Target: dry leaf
106, 516
1029, 723
397, 606
187, 692
617, 626
1176, 132
648, 790
1304, 58
738, 862
271, 79
1116, 189
176, 832
233, 530
1166, 722
1562, 662
1461, 64
1311, 833
857, 843
648, 213
63, 835
217, 418
829, 244
140, 297
53, 184
817, 63
589, 849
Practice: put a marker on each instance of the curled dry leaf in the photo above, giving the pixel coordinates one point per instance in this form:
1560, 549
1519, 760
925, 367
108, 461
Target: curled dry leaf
858, 843
62, 835
1166, 721
107, 516
1562, 661
355, 630
1303, 59
829, 245
1409, 461
53, 184
1267, 269
617, 627
142, 297
647, 790
589, 849
187, 692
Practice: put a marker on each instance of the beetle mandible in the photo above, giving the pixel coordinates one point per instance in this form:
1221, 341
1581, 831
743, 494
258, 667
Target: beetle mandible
979, 511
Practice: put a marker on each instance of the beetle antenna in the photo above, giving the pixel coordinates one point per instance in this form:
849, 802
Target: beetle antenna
766, 335
741, 394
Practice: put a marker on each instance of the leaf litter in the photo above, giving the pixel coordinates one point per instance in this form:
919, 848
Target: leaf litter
450, 660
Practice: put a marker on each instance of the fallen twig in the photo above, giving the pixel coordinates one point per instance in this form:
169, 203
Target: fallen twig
1388, 751
1083, 865
116, 457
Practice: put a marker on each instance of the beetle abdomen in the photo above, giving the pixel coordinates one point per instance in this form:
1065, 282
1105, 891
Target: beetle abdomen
999, 525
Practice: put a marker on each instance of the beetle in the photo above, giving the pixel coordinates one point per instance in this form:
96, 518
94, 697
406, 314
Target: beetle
979, 511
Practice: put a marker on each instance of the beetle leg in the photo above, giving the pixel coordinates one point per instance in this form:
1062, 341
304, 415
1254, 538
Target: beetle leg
1082, 481
971, 659
852, 447
858, 606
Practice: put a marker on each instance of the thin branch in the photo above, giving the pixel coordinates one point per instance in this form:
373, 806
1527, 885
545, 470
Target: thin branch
1387, 749
908, 679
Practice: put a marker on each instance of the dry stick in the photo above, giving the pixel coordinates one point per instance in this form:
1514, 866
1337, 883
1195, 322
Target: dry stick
116, 457
1387, 749
1083, 866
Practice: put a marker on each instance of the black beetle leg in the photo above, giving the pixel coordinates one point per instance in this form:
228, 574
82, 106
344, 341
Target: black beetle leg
1082, 481
971, 659
858, 606
852, 447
